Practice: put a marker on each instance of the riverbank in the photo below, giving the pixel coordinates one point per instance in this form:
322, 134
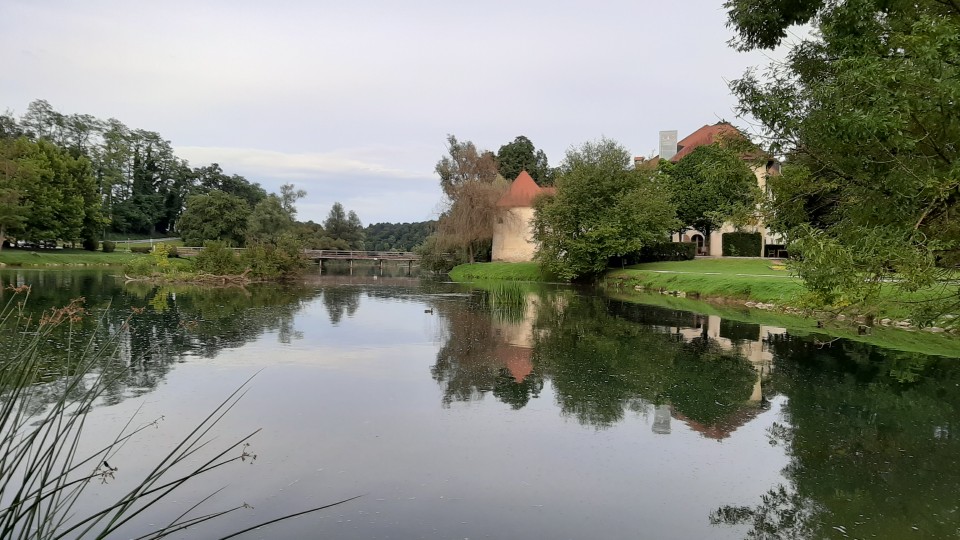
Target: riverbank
755, 283
12, 257
499, 271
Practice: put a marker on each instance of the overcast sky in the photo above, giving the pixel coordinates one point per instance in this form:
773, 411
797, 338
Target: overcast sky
352, 100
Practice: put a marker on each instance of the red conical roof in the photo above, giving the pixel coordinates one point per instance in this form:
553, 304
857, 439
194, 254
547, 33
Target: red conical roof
523, 191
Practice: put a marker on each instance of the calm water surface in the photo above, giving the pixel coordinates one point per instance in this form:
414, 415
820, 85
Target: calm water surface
512, 412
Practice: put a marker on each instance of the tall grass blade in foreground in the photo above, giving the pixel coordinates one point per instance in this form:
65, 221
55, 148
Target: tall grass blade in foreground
43, 409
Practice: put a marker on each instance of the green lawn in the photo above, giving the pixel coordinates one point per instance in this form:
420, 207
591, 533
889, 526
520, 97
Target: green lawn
760, 280
523, 271
64, 257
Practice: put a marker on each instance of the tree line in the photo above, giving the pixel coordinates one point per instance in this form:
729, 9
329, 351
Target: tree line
75, 178
604, 207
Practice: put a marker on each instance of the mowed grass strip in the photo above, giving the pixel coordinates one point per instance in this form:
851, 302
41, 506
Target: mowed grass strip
760, 280
64, 257
502, 271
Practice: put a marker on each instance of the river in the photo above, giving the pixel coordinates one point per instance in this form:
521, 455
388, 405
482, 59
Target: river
512, 412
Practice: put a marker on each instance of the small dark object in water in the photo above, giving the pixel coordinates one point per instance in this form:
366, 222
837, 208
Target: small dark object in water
428, 310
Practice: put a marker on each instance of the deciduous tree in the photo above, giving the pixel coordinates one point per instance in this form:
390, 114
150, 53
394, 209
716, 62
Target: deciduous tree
601, 210
520, 155
867, 106
214, 216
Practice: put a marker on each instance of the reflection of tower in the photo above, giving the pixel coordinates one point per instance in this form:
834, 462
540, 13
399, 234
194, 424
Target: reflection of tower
661, 420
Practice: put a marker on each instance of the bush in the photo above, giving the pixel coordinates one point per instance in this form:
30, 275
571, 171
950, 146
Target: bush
668, 251
282, 259
742, 244
91, 244
109, 246
141, 249
216, 258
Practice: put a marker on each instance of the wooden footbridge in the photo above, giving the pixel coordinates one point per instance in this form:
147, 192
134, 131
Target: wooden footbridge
321, 255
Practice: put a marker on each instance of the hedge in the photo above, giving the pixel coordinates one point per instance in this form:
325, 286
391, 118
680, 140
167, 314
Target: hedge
109, 246
141, 249
742, 244
665, 251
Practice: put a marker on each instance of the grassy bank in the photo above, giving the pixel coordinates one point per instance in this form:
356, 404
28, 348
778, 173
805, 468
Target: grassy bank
502, 271
758, 280
64, 257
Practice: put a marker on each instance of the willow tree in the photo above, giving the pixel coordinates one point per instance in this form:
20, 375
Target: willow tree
472, 185
865, 109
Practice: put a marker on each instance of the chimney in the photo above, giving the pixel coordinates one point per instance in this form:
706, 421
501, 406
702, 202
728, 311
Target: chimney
668, 144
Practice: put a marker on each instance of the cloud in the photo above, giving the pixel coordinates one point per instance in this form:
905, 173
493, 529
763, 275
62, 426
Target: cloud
277, 164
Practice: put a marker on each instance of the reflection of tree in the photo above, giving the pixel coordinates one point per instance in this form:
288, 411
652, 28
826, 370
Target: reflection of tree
475, 359
602, 365
152, 327
340, 300
872, 437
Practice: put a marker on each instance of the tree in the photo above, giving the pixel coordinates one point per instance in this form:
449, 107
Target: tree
601, 210
289, 196
268, 221
464, 163
341, 226
520, 155
710, 186
865, 110
214, 216
468, 223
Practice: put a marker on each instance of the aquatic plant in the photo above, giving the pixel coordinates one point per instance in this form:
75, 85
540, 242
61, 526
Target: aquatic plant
43, 410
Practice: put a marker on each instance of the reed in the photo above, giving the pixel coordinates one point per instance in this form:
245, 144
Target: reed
43, 411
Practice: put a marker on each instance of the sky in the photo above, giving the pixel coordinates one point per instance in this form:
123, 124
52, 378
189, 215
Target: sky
353, 100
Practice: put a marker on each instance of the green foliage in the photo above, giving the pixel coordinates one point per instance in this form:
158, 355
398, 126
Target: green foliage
601, 210
218, 259
667, 251
109, 246
344, 226
140, 249
710, 186
865, 110
268, 221
282, 259
215, 216
397, 236
91, 244
436, 258
742, 244
464, 163
520, 155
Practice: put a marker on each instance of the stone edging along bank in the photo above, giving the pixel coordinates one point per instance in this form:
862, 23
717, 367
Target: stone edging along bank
860, 321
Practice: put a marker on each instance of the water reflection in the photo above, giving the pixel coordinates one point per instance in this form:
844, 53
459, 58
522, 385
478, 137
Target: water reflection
600, 362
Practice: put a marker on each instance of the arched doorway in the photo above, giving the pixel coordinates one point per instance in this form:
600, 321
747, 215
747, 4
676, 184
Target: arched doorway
698, 238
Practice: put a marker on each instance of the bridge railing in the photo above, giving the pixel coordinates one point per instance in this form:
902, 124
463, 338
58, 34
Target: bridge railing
326, 254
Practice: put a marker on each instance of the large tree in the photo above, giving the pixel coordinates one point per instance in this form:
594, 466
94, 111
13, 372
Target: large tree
214, 216
470, 180
866, 110
520, 155
602, 209
345, 226
710, 186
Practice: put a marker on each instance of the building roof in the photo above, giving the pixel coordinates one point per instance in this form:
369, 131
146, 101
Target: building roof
523, 191
704, 136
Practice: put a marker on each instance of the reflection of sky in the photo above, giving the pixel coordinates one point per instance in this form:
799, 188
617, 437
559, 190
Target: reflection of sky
353, 410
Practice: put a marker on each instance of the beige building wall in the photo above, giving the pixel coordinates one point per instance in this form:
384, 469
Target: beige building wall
513, 235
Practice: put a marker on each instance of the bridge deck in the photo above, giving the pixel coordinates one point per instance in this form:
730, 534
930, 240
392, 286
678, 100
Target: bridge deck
329, 254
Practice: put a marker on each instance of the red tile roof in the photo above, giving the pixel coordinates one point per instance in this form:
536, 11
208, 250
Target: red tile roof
704, 136
523, 191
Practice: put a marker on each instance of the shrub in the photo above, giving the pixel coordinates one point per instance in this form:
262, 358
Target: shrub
216, 258
282, 259
668, 251
140, 249
109, 246
742, 244
91, 244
